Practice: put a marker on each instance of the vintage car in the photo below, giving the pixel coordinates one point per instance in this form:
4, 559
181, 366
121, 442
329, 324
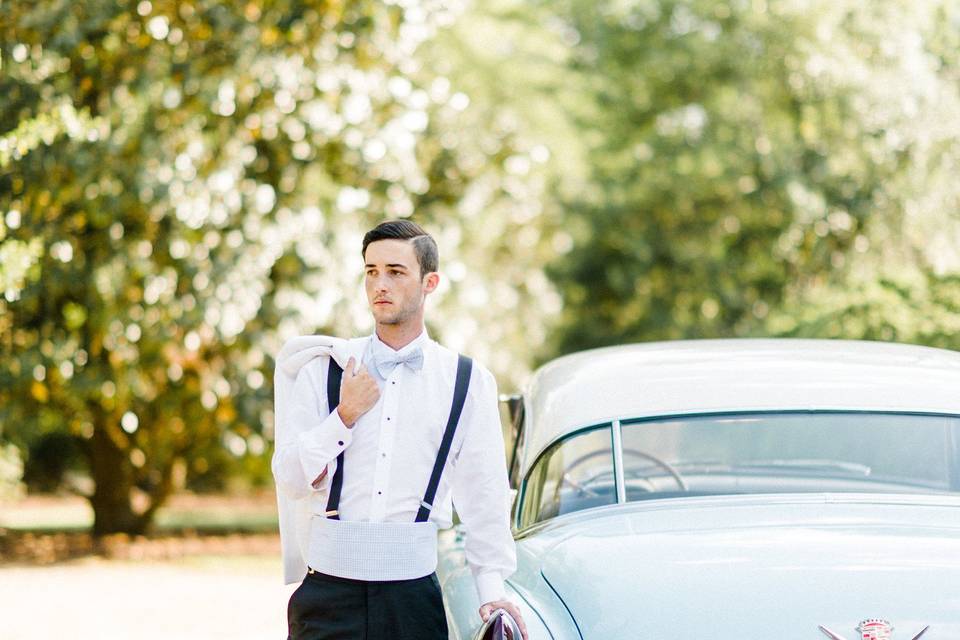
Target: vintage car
749, 489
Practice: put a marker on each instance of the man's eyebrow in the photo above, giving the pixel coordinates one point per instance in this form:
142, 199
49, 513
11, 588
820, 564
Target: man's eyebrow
391, 265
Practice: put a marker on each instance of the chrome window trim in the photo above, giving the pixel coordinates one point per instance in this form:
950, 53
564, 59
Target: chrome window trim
618, 477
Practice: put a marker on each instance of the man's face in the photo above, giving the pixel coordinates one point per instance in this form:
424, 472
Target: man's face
395, 290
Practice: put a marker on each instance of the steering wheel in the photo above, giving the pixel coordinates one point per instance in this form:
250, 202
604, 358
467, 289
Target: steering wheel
663, 464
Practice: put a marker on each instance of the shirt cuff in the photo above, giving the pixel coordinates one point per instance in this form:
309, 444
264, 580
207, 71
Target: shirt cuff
490, 587
322, 444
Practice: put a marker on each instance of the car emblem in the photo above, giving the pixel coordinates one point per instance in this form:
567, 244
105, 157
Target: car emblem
872, 629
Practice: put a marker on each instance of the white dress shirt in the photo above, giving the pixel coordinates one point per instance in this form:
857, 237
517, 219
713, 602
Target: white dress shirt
390, 451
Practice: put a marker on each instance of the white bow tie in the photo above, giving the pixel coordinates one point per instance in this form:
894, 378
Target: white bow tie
387, 362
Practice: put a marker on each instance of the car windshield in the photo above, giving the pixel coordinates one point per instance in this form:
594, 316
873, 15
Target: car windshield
748, 453
790, 452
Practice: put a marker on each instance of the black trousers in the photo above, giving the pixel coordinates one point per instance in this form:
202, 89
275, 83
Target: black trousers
326, 607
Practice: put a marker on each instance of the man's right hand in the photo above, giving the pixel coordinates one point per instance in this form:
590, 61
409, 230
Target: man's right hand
358, 393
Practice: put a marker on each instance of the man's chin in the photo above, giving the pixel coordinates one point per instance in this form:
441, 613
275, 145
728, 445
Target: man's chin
391, 316
386, 318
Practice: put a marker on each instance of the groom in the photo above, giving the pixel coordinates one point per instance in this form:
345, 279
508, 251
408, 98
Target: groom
376, 436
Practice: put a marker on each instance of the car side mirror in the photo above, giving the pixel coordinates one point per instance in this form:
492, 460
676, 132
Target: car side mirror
514, 404
499, 626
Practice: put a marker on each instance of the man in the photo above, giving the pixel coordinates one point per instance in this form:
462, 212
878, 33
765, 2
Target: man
363, 487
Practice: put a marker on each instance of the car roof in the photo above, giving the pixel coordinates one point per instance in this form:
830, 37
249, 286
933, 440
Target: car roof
716, 376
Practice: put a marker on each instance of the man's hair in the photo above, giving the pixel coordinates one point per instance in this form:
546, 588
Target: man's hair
424, 246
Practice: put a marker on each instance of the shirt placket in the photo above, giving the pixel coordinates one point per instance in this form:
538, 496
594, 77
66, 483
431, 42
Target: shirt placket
388, 425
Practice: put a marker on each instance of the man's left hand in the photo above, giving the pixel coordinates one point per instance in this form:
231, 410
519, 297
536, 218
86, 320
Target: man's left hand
510, 608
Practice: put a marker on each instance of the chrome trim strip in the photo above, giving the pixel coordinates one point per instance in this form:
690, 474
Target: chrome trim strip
618, 462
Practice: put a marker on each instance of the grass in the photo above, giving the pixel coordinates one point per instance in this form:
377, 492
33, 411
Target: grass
215, 514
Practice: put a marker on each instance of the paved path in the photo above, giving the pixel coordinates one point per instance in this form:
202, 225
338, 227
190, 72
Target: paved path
194, 598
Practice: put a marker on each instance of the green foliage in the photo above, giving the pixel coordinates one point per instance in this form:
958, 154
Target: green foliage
738, 152
52, 456
45, 128
908, 306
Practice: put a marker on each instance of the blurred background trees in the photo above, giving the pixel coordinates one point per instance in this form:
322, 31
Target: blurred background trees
184, 185
747, 154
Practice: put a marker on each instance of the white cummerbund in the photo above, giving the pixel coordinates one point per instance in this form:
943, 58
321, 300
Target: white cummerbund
372, 550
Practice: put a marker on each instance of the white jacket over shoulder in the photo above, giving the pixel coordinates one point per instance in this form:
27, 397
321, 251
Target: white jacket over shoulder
293, 497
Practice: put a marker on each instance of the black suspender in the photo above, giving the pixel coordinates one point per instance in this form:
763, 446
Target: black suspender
464, 368
334, 374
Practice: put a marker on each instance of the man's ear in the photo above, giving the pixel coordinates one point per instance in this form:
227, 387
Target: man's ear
431, 281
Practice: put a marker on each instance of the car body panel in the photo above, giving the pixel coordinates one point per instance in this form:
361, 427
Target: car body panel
766, 570
543, 612
756, 565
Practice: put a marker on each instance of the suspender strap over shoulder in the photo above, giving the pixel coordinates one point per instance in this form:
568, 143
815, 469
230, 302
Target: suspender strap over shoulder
334, 375
464, 368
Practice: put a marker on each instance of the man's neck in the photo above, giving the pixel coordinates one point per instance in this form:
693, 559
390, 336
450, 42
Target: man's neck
398, 336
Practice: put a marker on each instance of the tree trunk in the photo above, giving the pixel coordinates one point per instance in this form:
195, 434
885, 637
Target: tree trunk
113, 481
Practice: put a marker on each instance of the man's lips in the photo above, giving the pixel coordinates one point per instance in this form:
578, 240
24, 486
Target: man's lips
382, 302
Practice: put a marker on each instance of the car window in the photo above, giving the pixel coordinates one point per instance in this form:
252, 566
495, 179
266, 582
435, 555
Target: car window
790, 452
571, 475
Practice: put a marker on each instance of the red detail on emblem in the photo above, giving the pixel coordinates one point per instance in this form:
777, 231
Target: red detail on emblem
871, 629
874, 629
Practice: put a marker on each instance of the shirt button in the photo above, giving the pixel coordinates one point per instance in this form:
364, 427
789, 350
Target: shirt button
383, 455
394, 382
340, 442
379, 492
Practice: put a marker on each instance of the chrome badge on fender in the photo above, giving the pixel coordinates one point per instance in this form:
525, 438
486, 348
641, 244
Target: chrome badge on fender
872, 629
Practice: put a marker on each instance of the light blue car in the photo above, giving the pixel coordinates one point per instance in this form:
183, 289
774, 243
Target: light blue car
748, 489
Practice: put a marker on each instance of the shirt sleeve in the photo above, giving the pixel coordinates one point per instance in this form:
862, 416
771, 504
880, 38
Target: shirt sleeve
305, 456
481, 491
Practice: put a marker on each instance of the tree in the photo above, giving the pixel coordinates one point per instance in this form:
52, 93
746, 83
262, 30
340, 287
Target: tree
738, 154
198, 201
900, 280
